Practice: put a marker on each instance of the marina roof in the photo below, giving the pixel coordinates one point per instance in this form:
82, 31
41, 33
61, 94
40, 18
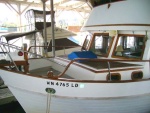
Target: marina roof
78, 5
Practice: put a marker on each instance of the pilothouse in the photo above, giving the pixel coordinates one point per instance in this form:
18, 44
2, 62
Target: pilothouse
110, 71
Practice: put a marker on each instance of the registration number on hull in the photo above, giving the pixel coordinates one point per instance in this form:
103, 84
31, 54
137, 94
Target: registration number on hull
63, 84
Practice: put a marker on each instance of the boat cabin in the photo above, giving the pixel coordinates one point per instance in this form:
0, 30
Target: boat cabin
111, 71
124, 46
115, 49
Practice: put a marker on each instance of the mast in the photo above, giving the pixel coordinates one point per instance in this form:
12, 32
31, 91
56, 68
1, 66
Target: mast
52, 27
45, 31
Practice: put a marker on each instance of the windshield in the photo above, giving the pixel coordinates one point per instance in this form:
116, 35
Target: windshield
101, 44
129, 46
95, 3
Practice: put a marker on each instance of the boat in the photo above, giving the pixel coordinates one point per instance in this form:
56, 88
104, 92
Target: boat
34, 35
109, 75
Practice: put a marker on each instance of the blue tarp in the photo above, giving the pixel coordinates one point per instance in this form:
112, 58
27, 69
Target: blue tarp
81, 54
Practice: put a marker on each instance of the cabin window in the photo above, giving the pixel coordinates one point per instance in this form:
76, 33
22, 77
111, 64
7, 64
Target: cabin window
137, 75
114, 77
101, 44
86, 43
129, 46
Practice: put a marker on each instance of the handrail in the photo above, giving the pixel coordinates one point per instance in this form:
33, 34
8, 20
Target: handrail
109, 70
21, 49
51, 46
11, 58
12, 46
111, 60
77, 59
94, 60
3, 50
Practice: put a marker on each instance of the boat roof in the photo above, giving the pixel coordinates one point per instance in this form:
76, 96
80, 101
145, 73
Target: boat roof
12, 36
120, 15
38, 11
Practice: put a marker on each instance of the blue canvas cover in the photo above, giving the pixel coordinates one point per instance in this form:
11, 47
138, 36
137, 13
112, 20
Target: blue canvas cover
81, 54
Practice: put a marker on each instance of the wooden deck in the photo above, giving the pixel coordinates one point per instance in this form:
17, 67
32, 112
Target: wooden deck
104, 65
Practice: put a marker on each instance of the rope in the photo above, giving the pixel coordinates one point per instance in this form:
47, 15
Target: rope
49, 91
48, 102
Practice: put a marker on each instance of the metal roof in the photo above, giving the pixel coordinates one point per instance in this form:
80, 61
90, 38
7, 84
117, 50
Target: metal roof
83, 7
77, 5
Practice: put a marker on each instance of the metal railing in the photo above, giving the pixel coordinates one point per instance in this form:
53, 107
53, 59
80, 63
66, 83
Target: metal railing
22, 49
58, 48
70, 62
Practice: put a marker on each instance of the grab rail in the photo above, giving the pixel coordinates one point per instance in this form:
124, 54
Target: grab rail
63, 47
94, 60
72, 61
51, 46
21, 49
11, 58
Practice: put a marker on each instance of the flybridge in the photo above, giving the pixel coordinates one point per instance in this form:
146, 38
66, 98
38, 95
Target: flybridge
124, 16
35, 19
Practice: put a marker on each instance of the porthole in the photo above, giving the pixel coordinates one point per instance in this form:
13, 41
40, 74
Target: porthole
136, 75
114, 77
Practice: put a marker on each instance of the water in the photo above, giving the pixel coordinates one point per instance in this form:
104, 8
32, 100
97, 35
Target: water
13, 107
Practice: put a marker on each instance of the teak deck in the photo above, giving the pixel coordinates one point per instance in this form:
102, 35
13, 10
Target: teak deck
104, 65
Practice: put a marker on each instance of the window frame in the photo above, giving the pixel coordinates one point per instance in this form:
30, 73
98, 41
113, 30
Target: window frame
101, 34
123, 57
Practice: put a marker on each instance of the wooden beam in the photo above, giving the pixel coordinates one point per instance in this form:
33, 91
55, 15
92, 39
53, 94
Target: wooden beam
70, 8
61, 2
11, 6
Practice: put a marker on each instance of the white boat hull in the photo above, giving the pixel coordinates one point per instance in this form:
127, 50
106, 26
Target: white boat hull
37, 103
78, 97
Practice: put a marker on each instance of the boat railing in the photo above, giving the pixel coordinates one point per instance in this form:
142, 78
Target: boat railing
8, 53
64, 50
76, 60
24, 61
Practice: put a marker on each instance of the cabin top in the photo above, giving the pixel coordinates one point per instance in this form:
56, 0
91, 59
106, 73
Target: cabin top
122, 46
119, 15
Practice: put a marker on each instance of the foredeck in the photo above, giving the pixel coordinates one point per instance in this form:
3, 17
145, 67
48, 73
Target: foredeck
43, 72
